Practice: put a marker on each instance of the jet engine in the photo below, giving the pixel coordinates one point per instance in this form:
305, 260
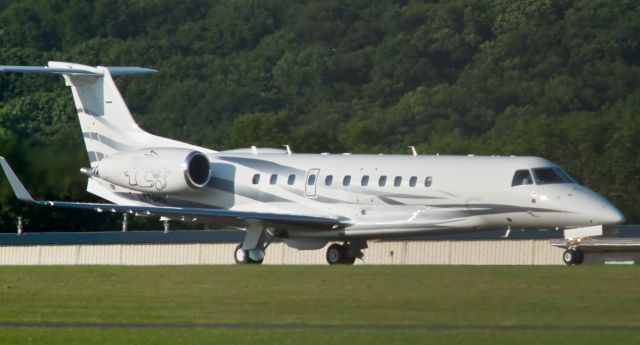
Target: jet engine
156, 170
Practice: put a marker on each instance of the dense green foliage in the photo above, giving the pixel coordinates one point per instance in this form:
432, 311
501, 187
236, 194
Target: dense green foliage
558, 79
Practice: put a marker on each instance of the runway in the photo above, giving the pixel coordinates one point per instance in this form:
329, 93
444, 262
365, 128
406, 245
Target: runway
321, 326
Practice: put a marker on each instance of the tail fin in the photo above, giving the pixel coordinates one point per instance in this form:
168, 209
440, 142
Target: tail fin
105, 119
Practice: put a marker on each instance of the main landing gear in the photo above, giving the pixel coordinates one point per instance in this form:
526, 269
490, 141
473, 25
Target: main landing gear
255, 243
573, 256
242, 256
345, 254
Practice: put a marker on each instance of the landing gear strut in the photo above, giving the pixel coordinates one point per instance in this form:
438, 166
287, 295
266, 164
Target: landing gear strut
255, 243
573, 256
345, 254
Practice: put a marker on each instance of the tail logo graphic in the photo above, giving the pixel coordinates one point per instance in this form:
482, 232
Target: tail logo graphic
142, 176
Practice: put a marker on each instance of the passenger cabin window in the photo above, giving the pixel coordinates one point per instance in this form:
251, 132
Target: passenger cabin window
311, 180
551, 175
428, 181
397, 181
273, 179
291, 180
346, 180
382, 181
413, 180
365, 180
521, 177
256, 179
328, 180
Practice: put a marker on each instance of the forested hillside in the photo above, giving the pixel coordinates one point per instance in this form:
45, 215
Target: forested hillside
558, 79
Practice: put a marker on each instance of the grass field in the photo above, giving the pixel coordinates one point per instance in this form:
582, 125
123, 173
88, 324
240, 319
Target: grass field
319, 305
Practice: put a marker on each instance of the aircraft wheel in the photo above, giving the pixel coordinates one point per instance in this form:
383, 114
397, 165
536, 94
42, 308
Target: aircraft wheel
579, 257
571, 256
349, 260
240, 256
335, 254
257, 262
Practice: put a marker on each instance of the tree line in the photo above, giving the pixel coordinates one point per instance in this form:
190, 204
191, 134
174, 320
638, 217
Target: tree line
557, 79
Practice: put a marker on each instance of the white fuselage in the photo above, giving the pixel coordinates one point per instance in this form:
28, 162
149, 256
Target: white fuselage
392, 195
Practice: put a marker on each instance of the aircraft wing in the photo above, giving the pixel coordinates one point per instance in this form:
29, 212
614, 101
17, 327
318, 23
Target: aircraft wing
219, 216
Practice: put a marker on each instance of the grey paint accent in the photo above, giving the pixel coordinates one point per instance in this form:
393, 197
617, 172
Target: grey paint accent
326, 200
258, 195
263, 165
222, 177
107, 141
410, 196
88, 112
95, 156
160, 201
493, 209
221, 184
389, 200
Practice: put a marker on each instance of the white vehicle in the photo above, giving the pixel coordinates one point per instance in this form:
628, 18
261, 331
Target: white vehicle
308, 200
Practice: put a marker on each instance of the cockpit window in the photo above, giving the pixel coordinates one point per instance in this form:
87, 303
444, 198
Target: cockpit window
566, 176
551, 175
521, 177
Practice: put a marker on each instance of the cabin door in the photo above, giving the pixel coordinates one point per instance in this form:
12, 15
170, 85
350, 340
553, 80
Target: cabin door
310, 183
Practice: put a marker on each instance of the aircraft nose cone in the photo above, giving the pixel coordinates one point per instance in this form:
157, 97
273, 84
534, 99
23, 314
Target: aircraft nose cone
598, 209
611, 215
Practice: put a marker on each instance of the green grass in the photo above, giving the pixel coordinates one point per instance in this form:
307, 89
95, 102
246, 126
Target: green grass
382, 295
189, 337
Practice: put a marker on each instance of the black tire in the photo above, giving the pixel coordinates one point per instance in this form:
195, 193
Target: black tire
579, 257
257, 262
349, 260
336, 254
569, 257
240, 256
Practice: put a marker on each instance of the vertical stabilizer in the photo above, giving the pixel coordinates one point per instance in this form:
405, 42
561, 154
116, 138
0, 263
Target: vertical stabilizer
106, 122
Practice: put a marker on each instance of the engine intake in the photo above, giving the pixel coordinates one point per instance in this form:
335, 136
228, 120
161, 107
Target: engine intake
197, 170
156, 170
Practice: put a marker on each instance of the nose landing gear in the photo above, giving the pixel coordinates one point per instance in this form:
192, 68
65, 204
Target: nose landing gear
573, 256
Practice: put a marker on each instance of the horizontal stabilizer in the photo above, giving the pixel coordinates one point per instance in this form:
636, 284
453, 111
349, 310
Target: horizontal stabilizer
39, 69
76, 69
130, 70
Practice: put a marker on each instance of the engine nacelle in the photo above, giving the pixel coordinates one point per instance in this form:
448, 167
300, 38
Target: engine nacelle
156, 170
